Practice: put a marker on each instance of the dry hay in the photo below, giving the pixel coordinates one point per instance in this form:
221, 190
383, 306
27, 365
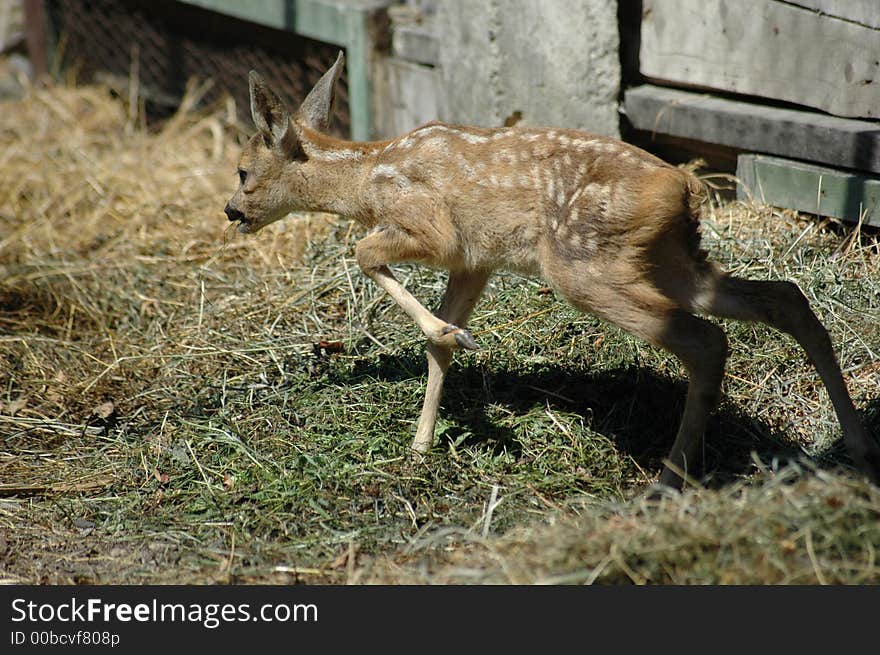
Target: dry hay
110, 234
778, 529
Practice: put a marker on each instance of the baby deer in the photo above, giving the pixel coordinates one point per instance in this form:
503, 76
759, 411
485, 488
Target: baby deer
612, 228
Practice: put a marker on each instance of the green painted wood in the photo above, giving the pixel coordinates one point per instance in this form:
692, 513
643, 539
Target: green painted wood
808, 188
330, 22
272, 13
350, 24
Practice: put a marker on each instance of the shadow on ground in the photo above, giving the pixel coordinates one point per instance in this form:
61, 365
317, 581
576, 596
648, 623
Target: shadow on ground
635, 407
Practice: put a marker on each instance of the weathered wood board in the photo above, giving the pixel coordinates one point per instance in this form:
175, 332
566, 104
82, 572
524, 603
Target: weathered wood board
765, 48
406, 96
795, 133
416, 42
865, 12
808, 188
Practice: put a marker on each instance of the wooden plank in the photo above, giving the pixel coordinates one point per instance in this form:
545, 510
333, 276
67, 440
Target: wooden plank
36, 37
841, 142
416, 42
864, 12
272, 13
323, 20
809, 188
407, 95
764, 48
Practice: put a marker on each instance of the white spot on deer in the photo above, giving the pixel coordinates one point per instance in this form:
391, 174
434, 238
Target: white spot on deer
385, 170
465, 165
430, 129
389, 171
560, 196
536, 177
337, 155
585, 144
566, 159
436, 145
597, 192
443, 129
405, 143
575, 196
551, 187
469, 137
503, 157
573, 215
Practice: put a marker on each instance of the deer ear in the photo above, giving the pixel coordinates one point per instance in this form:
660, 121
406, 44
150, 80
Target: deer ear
317, 108
268, 112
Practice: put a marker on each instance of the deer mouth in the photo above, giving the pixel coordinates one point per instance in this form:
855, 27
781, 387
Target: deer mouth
235, 215
248, 225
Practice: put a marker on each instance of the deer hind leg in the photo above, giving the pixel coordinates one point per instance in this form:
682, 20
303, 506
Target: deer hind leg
702, 348
783, 306
389, 244
462, 292
641, 309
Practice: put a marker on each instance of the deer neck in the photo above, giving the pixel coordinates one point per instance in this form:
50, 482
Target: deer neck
336, 172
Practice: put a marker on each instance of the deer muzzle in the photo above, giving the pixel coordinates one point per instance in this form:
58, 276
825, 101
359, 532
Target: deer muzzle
234, 214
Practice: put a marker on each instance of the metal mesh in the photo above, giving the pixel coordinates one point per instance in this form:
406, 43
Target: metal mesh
173, 42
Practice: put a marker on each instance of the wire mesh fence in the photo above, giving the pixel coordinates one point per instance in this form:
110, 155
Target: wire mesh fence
163, 44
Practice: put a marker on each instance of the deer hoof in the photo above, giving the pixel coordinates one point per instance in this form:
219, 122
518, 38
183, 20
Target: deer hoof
463, 338
466, 340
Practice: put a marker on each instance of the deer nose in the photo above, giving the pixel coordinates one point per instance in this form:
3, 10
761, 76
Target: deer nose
233, 214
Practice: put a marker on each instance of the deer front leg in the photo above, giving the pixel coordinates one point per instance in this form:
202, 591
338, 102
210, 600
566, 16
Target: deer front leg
390, 244
462, 292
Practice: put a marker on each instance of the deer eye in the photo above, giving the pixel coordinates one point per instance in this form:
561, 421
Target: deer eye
242, 175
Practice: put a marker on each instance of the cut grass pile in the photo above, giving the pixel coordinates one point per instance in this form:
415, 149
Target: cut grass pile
781, 528
179, 403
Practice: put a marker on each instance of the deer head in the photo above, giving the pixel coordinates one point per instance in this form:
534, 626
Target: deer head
274, 168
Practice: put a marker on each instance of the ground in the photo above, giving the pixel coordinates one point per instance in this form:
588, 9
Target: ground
181, 403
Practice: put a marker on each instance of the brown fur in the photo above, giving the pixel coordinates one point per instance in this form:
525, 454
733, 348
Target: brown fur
614, 229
